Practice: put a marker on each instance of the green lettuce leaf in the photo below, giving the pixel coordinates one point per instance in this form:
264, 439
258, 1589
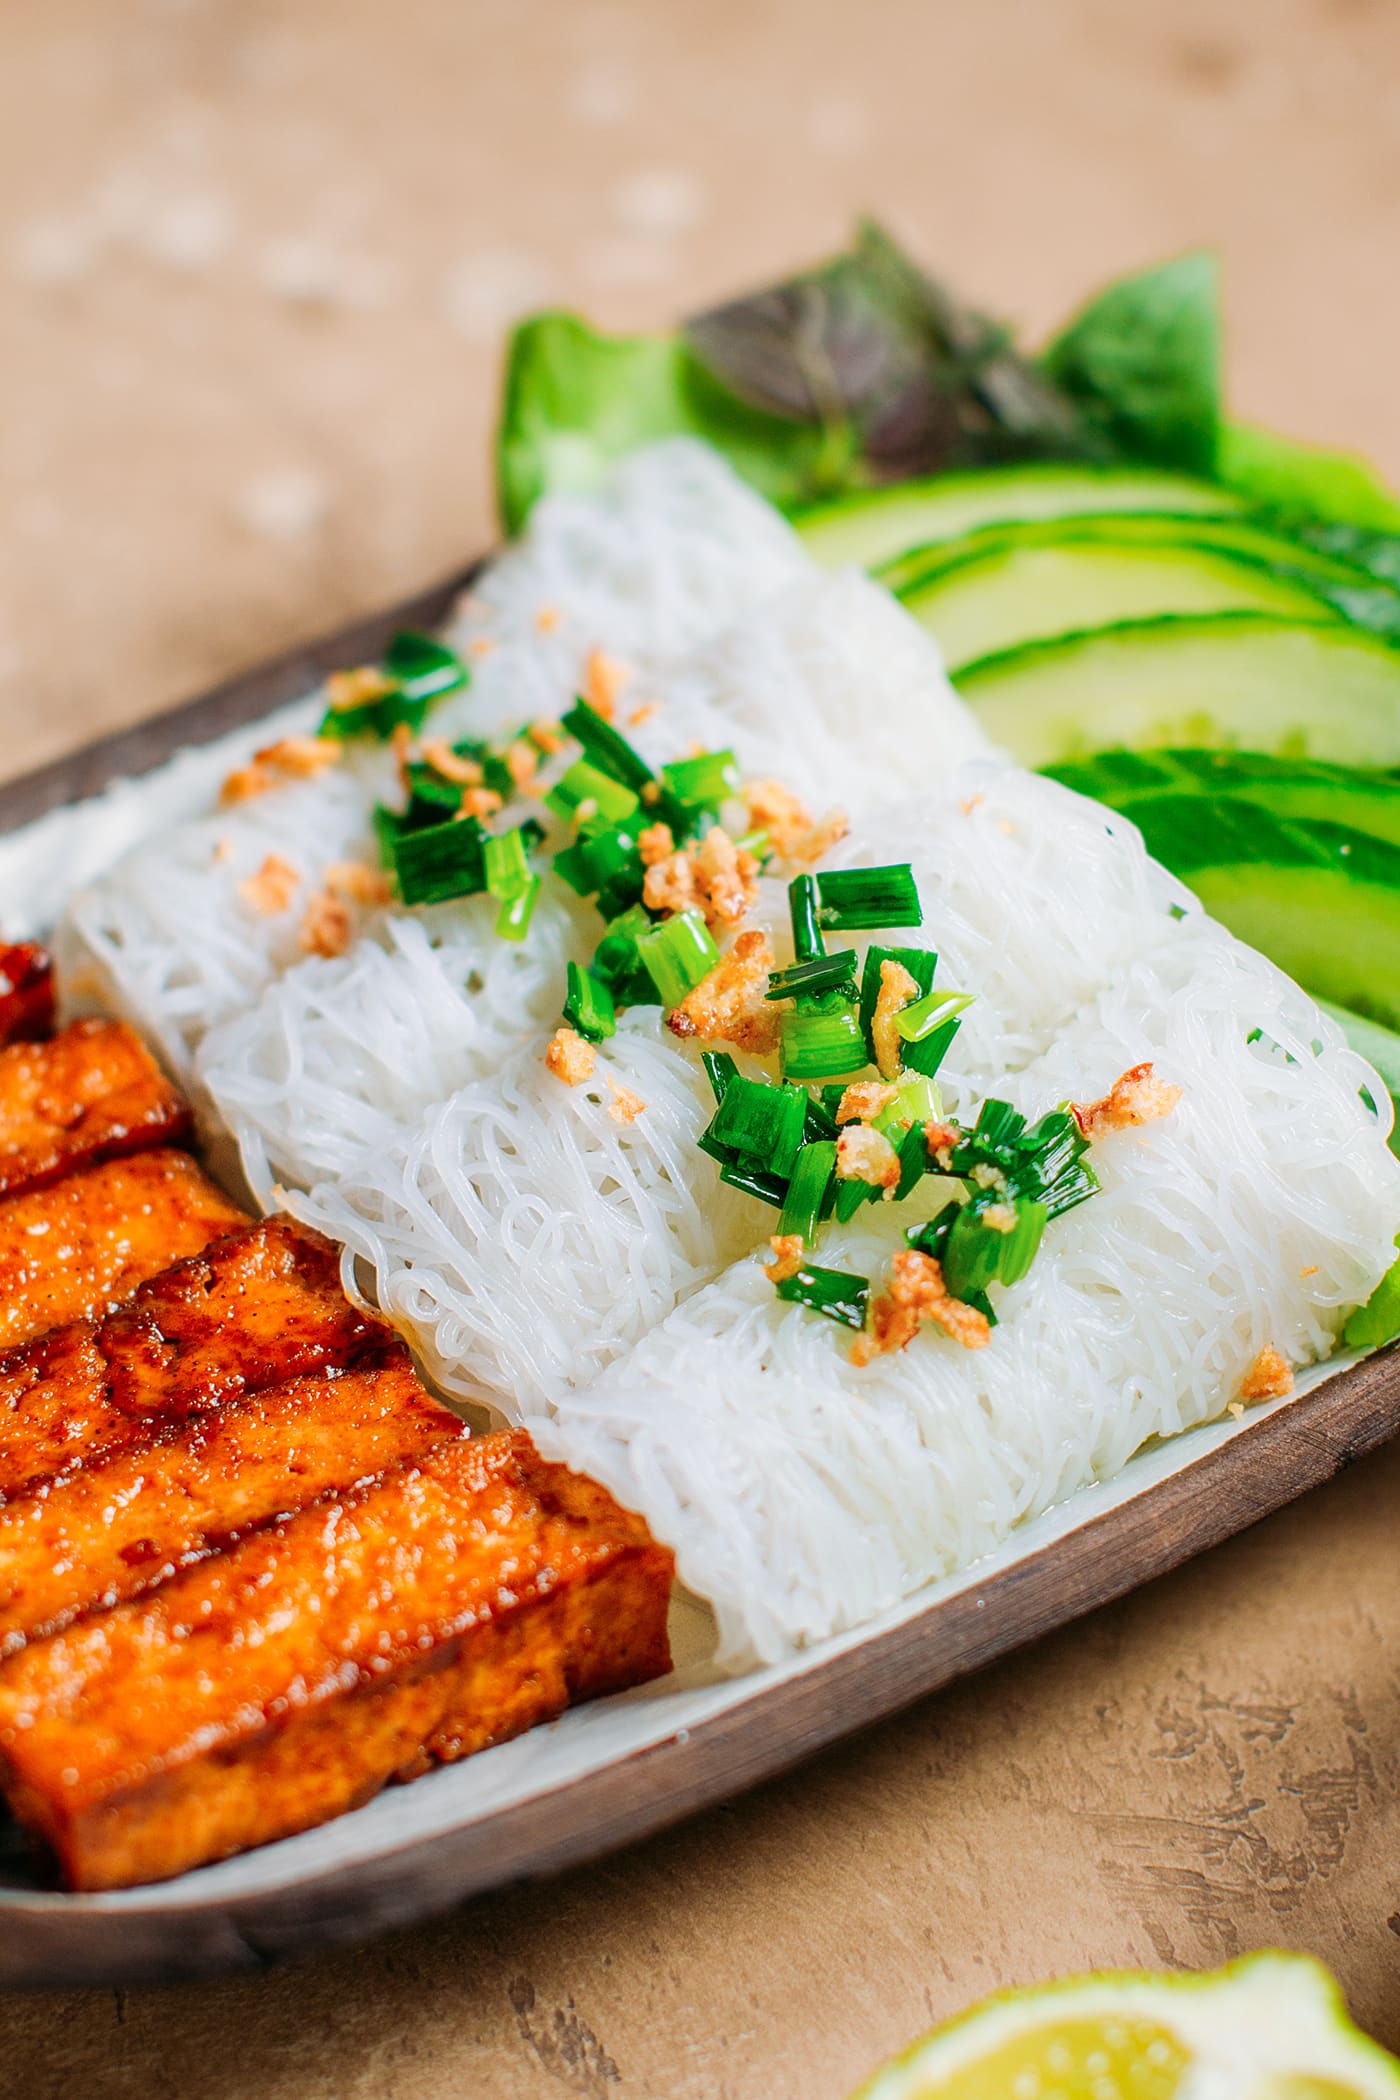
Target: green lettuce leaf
1301, 482
1378, 1320
1142, 361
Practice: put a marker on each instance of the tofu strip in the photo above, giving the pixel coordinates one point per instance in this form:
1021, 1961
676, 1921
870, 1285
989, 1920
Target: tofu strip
77, 1249
263, 1305
119, 1525
92, 1092
445, 1606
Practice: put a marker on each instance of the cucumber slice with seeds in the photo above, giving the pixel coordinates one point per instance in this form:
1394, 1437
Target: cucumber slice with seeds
1354, 797
1300, 688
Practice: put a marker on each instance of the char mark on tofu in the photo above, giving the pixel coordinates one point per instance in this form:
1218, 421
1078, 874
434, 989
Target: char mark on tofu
92, 1092
26, 993
261, 1306
129, 1518
77, 1248
269, 1688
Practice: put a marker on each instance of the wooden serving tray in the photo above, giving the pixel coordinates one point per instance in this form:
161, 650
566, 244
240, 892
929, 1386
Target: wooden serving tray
606, 1774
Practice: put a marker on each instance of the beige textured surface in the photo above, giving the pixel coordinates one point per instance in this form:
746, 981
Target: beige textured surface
255, 256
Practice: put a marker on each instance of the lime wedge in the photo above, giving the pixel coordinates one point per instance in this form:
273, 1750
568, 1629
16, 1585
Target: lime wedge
1270, 2027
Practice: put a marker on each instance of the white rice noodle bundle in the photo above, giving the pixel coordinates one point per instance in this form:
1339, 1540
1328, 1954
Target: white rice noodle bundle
804, 1496
524, 1235
169, 939
672, 548
341, 1054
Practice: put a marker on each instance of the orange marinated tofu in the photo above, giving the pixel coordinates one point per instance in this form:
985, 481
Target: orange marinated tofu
260, 1306
447, 1605
120, 1524
76, 1249
26, 992
92, 1092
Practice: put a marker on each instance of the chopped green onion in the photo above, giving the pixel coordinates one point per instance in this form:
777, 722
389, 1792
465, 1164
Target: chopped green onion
755, 842
923, 1016
851, 1194
918, 1100
769, 1188
1021, 1245
704, 782
506, 869
919, 962
852, 898
928, 1053
807, 942
824, 973
809, 1190
517, 910
423, 668
617, 959
817, 1043
676, 954
583, 784
378, 718
1378, 1320
913, 1160
431, 799
832, 1292
720, 1068
441, 861
760, 1123
388, 825
588, 1005
821, 1122
604, 861
611, 753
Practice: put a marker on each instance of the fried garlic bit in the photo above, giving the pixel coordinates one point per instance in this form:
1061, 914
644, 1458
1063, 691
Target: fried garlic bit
547, 737
603, 680
625, 1106
788, 1256
478, 802
643, 713
272, 889
728, 1004
290, 758
863, 1100
326, 925
522, 762
358, 882
450, 765
717, 875
356, 688
863, 1154
915, 1292
1269, 1377
569, 1057
1136, 1097
788, 823
940, 1138
401, 744
897, 990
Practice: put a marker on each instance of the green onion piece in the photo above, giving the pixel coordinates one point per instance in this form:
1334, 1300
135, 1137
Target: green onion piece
440, 862
604, 861
720, 1068
611, 753
1378, 1320
852, 898
702, 783
820, 1121
618, 963
928, 1053
923, 1016
919, 962
807, 942
809, 1188
760, 1124
972, 1256
388, 824
851, 1194
914, 1161
832, 1292
676, 954
378, 718
1020, 1247
769, 1188
824, 973
755, 842
583, 784
588, 1005
816, 1044
918, 1100
506, 869
517, 910
431, 799
423, 668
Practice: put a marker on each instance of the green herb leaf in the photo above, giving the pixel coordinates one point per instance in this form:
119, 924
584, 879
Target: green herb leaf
1378, 1320
1142, 361
1305, 483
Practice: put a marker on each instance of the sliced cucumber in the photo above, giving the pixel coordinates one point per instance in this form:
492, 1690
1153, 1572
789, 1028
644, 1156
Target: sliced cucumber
1250, 679
1323, 901
870, 527
1018, 593
1226, 535
1358, 799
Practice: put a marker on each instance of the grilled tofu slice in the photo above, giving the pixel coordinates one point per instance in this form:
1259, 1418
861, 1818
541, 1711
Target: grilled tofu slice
26, 992
75, 1250
445, 1606
123, 1523
259, 1307
92, 1092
